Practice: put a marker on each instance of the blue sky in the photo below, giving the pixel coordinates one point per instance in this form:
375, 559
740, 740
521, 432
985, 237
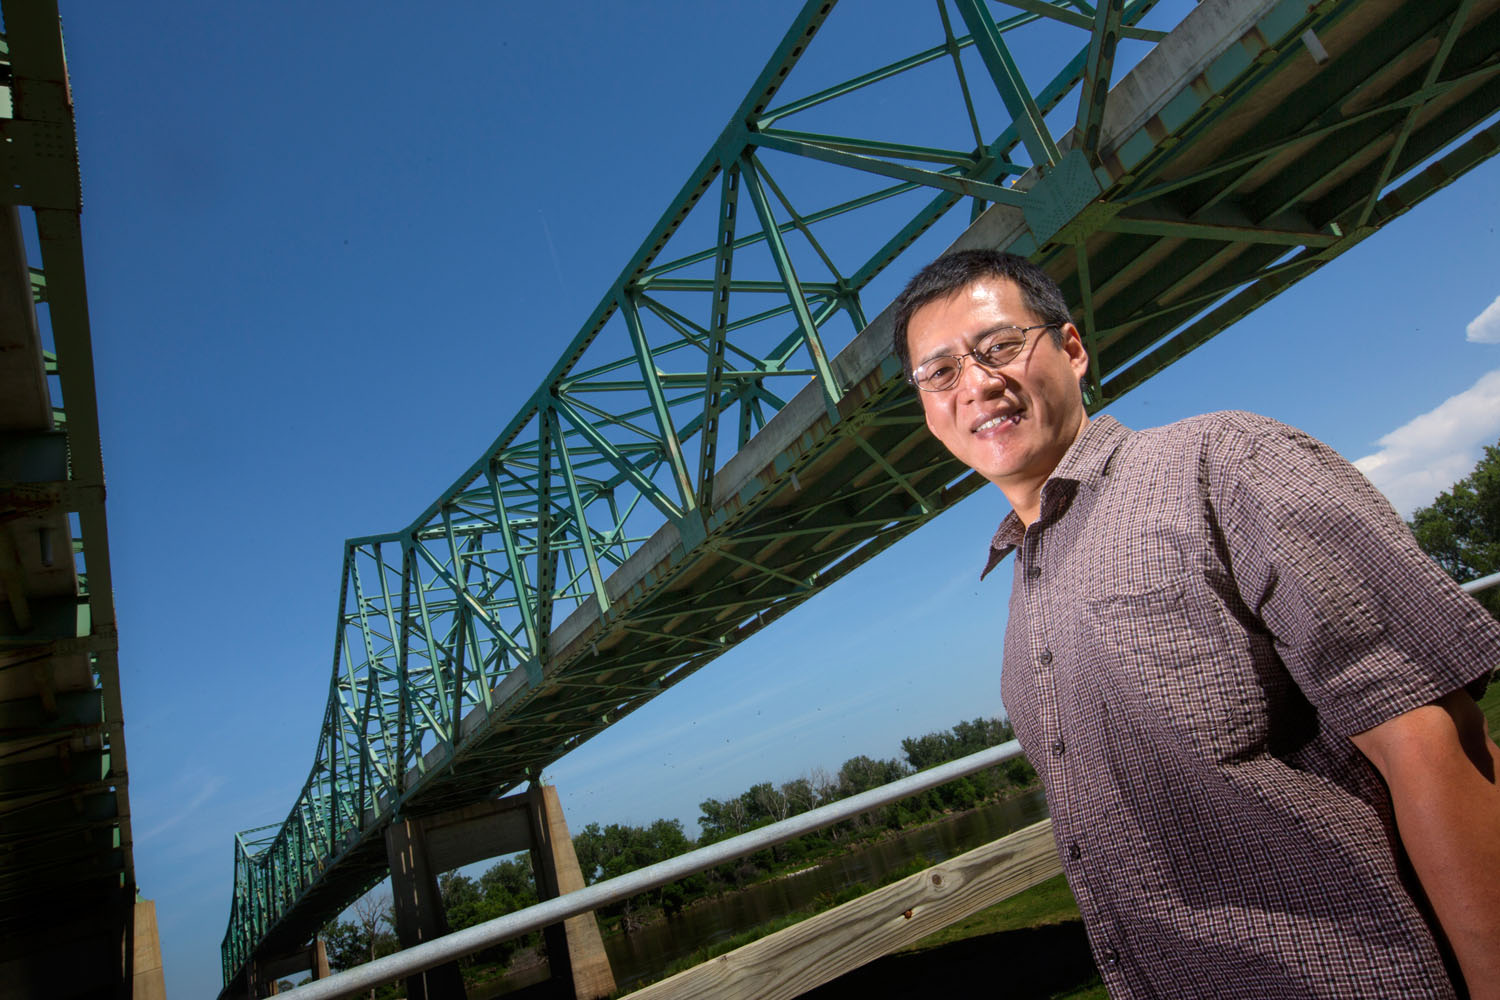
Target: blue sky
333, 247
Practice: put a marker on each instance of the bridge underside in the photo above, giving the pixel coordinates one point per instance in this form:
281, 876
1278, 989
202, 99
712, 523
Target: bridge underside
1254, 144
67, 882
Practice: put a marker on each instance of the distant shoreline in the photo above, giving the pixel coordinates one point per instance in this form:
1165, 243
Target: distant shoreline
656, 915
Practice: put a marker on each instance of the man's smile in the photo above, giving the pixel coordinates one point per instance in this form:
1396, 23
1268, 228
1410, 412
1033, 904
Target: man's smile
998, 420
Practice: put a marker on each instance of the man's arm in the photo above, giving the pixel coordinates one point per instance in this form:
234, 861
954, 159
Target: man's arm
1441, 768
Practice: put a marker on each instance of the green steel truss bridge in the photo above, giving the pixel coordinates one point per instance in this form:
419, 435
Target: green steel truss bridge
728, 433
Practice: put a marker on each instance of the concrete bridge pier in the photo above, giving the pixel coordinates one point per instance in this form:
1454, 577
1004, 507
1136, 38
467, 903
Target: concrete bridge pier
267, 973
421, 847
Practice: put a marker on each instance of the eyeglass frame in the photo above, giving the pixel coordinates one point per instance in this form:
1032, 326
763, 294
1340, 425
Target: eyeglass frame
973, 352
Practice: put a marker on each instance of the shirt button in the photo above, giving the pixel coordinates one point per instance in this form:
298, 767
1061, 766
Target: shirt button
1111, 957
1074, 851
1044, 657
1034, 571
1058, 746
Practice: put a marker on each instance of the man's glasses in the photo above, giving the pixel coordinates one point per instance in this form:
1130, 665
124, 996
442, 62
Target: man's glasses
994, 351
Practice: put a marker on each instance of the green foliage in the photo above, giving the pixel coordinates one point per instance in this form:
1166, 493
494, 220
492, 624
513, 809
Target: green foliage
506, 886
1461, 529
765, 803
613, 850
960, 741
509, 883
355, 942
1490, 706
963, 739
617, 849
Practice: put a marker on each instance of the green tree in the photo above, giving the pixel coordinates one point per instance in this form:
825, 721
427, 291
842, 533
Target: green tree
509, 883
464, 902
364, 938
1461, 528
719, 820
963, 739
610, 851
859, 774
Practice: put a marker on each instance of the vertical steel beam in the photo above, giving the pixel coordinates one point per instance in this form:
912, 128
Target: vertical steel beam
832, 391
1012, 88
580, 520
546, 552
657, 397
729, 193
527, 596
1094, 89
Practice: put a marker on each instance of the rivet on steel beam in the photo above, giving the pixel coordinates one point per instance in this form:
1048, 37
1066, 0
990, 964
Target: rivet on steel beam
1319, 54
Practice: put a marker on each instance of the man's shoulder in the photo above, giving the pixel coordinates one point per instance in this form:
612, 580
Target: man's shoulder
1222, 421
1220, 445
1221, 428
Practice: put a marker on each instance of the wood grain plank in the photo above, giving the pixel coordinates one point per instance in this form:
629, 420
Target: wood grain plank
821, 948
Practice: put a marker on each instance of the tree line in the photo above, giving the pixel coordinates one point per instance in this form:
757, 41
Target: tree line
1461, 528
609, 850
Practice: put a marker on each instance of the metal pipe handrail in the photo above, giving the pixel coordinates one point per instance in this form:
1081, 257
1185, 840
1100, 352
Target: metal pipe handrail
1483, 583
456, 945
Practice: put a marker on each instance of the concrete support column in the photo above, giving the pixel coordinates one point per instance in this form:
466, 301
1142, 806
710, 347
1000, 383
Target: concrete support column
421, 847
264, 975
419, 908
147, 981
320, 959
575, 951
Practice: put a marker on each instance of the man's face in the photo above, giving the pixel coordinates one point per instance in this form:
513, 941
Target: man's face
1014, 425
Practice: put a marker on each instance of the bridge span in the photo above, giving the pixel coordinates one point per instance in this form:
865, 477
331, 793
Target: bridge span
710, 451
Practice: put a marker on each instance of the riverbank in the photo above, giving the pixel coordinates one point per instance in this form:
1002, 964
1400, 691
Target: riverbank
832, 853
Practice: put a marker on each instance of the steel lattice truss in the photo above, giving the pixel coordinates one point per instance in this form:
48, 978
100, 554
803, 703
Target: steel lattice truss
720, 440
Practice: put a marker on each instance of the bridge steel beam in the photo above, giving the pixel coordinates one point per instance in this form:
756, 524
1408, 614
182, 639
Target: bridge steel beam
726, 435
70, 923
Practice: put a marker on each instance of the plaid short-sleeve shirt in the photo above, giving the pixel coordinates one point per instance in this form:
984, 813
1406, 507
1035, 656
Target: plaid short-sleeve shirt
1202, 615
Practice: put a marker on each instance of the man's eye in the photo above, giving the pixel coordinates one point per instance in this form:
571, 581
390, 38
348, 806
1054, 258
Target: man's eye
1000, 350
937, 371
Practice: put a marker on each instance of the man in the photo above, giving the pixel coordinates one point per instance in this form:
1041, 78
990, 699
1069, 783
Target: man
1242, 683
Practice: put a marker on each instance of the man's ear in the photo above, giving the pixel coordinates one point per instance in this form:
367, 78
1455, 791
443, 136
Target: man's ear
1072, 346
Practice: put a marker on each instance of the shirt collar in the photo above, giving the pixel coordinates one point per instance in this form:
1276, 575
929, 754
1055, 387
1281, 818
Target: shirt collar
1085, 464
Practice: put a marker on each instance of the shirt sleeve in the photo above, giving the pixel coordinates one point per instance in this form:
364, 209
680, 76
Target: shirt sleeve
1365, 623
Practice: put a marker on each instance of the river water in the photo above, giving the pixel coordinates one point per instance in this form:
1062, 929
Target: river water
645, 952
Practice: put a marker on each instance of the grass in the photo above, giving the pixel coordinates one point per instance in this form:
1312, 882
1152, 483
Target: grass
1490, 705
1041, 905
1048, 904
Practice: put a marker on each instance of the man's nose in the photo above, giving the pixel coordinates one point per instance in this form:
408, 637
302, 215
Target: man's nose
977, 376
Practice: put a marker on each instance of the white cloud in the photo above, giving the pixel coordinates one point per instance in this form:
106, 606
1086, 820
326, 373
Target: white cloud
203, 790
1430, 452
1485, 328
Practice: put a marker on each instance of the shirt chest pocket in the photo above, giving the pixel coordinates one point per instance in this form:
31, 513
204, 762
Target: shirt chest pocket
1171, 662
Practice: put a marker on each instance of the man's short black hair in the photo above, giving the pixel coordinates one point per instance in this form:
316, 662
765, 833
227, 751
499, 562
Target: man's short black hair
960, 269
